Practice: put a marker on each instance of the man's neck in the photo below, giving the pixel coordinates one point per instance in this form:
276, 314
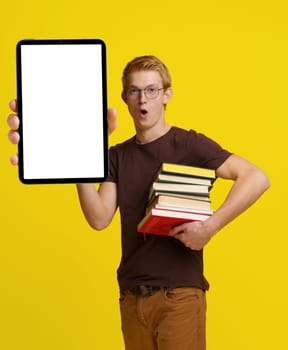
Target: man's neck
149, 135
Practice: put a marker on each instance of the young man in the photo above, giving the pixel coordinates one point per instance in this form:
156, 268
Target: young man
162, 287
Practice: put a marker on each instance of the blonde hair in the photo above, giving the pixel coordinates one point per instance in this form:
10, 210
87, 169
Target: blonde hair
146, 63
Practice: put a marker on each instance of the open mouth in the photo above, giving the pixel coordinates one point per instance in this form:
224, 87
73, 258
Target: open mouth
143, 112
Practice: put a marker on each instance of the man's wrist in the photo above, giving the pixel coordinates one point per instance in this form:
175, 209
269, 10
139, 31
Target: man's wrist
211, 226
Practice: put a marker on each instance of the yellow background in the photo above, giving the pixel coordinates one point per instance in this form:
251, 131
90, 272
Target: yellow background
228, 61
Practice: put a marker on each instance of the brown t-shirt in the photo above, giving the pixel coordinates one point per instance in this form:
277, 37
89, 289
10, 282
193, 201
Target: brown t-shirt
158, 260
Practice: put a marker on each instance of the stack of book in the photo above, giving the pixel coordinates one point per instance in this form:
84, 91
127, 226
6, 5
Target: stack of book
178, 194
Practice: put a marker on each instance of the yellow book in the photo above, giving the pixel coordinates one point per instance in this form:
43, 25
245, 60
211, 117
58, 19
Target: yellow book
187, 170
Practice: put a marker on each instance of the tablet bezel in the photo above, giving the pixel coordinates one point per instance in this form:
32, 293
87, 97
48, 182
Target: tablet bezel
62, 180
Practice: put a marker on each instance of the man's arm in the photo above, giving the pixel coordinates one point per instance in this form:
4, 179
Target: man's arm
250, 183
98, 206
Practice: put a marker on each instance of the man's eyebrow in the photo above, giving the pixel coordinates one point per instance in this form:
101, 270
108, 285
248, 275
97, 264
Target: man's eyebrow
136, 87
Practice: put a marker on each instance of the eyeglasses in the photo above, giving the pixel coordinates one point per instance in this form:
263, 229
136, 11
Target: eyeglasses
150, 92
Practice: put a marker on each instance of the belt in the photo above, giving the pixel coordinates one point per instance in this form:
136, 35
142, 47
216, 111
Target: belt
145, 291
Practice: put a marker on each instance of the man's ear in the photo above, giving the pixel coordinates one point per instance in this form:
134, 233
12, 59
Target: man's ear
124, 97
168, 93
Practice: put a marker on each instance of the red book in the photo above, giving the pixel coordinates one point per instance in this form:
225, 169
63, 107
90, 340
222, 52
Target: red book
161, 221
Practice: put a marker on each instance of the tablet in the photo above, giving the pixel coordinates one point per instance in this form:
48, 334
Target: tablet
62, 107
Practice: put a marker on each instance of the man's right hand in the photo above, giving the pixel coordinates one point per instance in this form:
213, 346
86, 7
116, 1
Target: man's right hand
13, 135
13, 122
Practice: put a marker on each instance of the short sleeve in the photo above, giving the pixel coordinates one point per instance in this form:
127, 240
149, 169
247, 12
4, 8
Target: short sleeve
208, 152
112, 173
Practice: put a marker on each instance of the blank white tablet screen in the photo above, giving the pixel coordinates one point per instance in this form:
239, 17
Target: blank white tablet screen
62, 111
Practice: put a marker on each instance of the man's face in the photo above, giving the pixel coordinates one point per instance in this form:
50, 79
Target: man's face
146, 107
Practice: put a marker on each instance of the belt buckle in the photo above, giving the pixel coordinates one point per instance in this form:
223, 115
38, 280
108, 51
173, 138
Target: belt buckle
145, 291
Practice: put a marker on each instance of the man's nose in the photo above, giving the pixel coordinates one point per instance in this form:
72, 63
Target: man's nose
142, 96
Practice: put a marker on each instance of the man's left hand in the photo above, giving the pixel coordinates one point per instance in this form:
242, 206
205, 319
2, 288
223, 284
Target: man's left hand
194, 235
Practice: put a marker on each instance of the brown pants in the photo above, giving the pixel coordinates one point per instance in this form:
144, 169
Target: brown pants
171, 319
